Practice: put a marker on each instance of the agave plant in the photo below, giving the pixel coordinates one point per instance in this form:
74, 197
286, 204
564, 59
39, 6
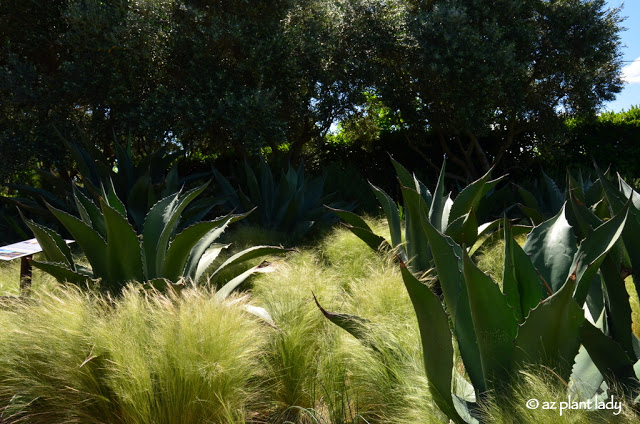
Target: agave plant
158, 258
140, 184
454, 217
292, 205
561, 304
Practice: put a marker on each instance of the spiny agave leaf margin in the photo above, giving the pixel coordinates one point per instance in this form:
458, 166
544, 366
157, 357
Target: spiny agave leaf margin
92, 244
52, 244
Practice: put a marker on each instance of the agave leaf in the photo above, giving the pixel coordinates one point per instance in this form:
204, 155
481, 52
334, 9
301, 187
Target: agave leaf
252, 184
404, 176
159, 225
89, 212
632, 244
533, 214
581, 218
53, 246
360, 228
447, 256
617, 305
464, 230
528, 198
124, 255
494, 324
50, 197
171, 222
391, 212
154, 223
629, 192
471, 195
437, 215
248, 254
488, 233
114, 201
586, 379
520, 281
93, 246
417, 245
551, 333
171, 182
226, 188
609, 357
592, 252
575, 188
352, 324
551, 247
437, 346
183, 247
140, 197
205, 260
62, 272
556, 196
226, 290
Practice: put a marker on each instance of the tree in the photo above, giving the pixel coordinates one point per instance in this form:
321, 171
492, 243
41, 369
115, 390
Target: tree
473, 75
209, 76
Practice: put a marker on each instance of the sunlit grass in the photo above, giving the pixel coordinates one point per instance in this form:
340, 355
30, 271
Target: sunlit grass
72, 355
543, 387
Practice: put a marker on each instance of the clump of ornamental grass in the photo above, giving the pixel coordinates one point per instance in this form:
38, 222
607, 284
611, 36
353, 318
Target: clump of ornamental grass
545, 391
318, 372
48, 370
78, 357
295, 358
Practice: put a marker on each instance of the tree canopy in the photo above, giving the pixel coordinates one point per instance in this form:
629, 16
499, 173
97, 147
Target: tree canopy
464, 77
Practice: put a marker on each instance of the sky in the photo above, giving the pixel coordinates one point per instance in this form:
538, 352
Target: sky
630, 38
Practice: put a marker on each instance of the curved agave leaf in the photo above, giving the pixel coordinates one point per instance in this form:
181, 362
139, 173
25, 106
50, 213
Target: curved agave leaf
91, 243
592, 252
520, 281
464, 230
438, 212
471, 195
494, 324
356, 326
551, 247
447, 256
53, 246
159, 224
190, 245
247, 254
586, 380
436, 340
551, 333
111, 198
226, 290
417, 245
391, 212
123, 253
361, 229
610, 358
89, 212
62, 272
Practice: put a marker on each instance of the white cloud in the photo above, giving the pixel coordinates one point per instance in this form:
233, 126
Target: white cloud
631, 72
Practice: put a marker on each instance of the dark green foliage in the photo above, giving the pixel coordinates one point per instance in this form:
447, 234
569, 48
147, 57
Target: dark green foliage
537, 316
291, 205
161, 258
610, 138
